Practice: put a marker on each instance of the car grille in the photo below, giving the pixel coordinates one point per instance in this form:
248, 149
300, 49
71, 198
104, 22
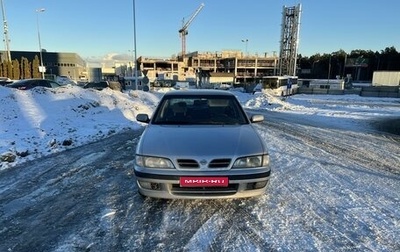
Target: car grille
193, 164
219, 163
188, 163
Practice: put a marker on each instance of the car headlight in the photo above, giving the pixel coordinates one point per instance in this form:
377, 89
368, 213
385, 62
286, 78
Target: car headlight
153, 162
252, 161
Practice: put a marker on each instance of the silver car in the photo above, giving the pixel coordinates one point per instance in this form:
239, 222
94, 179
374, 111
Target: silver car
201, 144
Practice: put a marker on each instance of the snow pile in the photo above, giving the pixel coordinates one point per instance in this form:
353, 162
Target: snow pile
42, 121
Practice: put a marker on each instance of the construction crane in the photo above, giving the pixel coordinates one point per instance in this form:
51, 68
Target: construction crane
184, 30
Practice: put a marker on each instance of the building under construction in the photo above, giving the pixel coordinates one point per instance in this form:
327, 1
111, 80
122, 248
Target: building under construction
233, 67
229, 66
226, 66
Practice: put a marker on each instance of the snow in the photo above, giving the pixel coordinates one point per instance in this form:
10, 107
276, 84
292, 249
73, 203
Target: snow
42, 121
39, 121
335, 181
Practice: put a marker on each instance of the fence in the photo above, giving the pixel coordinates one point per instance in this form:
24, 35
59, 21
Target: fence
382, 91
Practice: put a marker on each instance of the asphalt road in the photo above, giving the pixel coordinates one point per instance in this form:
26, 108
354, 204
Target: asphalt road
85, 199
389, 125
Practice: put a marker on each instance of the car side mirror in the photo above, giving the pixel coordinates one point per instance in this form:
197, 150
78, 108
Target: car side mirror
143, 118
257, 118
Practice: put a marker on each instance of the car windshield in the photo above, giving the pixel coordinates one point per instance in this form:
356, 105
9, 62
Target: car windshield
205, 110
20, 83
54, 84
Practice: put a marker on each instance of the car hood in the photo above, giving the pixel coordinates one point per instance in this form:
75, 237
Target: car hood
205, 141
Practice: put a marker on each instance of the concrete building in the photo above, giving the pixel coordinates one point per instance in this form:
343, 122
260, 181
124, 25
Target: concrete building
386, 78
205, 68
56, 63
218, 67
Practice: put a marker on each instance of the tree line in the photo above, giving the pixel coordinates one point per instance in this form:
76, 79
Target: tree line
22, 69
358, 63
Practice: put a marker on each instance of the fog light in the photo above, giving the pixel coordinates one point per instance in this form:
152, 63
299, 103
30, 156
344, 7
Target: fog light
256, 185
260, 184
150, 185
145, 185
155, 186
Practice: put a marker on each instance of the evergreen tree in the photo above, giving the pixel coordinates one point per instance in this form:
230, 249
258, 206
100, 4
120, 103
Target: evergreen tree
16, 70
9, 66
4, 68
26, 73
29, 71
35, 67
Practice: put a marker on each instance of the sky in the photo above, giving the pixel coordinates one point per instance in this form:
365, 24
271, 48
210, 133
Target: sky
102, 29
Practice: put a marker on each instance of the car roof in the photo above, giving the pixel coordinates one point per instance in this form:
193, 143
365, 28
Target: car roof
26, 80
196, 92
22, 82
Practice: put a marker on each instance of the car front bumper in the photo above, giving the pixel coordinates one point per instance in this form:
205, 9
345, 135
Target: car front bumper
241, 184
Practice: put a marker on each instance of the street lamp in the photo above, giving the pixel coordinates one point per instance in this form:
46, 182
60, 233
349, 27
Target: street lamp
245, 41
313, 67
41, 67
245, 63
131, 61
134, 42
329, 68
359, 63
344, 65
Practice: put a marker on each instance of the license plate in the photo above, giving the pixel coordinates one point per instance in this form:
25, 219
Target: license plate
203, 181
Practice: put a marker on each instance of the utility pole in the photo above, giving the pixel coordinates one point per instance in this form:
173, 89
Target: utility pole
134, 44
246, 41
245, 63
344, 65
41, 68
275, 62
6, 40
329, 67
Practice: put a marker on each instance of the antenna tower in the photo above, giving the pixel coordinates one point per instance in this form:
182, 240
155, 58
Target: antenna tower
289, 40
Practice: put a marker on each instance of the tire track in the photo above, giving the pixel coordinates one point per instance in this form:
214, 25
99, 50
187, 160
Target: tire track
387, 160
339, 182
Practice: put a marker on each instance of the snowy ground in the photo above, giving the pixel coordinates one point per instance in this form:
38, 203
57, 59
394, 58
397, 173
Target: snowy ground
42, 121
335, 183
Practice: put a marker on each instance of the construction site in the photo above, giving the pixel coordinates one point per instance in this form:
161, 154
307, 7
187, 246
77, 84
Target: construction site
226, 67
203, 69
